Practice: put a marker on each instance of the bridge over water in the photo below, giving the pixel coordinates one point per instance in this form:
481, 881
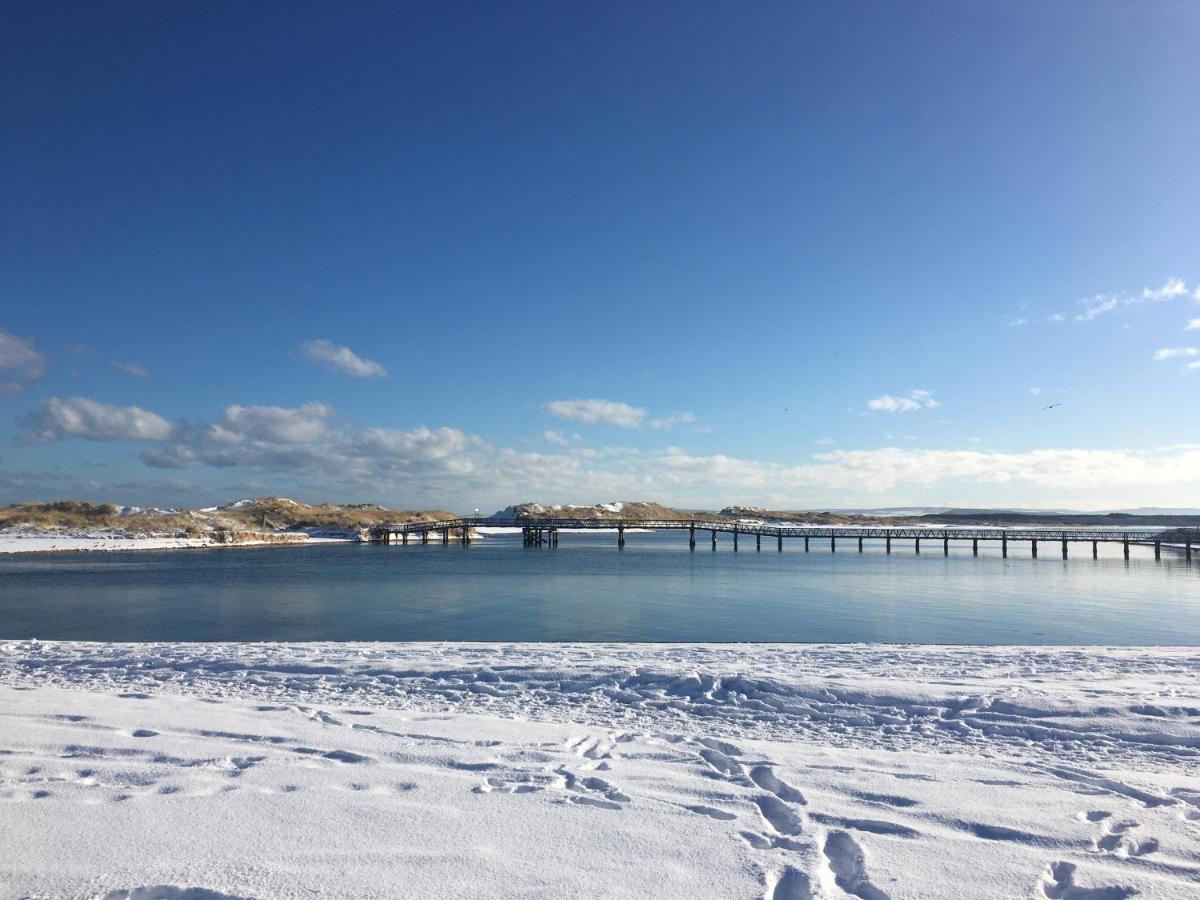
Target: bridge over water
544, 532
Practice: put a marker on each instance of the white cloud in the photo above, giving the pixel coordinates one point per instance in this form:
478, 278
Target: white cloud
555, 437
1036, 391
673, 420
1193, 325
131, 368
1097, 306
341, 359
1171, 288
1173, 352
276, 423
21, 363
914, 401
597, 412
93, 421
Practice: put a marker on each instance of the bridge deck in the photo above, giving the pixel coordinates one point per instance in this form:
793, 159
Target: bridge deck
975, 533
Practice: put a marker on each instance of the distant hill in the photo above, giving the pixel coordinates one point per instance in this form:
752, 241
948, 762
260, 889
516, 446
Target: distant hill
263, 514
618, 509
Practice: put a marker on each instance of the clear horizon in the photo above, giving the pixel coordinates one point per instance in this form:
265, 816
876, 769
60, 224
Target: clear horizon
800, 258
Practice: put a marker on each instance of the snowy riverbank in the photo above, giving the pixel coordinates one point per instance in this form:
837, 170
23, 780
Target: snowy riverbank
599, 770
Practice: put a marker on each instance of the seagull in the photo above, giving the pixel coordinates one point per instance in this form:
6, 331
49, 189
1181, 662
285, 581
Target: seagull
1051, 406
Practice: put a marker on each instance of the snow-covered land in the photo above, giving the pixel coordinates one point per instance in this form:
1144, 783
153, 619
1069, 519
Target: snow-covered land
420, 770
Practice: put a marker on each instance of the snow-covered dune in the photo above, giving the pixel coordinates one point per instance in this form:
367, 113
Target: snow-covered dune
363, 770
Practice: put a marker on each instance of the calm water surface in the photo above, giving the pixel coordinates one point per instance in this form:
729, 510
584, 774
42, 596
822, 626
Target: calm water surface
654, 590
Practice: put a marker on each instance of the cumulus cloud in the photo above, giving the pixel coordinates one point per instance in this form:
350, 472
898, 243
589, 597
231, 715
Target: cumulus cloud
21, 363
1174, 352
1193, 325
915, 400
341, 359
93, 421
598, 412
555, 437
131, 368
277, 423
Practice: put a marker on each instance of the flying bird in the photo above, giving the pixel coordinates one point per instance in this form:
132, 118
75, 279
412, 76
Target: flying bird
1051, 406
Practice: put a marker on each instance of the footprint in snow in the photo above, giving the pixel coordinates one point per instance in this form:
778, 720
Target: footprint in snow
847, 862
1058, 883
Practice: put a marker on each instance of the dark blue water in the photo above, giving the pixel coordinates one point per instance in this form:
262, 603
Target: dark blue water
654, 590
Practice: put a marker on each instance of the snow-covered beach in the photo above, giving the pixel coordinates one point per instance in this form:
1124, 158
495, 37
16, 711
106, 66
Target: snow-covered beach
619, 770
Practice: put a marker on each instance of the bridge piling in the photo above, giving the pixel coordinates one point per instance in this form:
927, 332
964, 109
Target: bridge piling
1033, 546
780, 536
1188, 551
888, 544
1004, 546
1157, 551
1095, 550
806, 543
714, 539
1064, 548
692, 536
620, 537
974, 546
424, 537
735, 539
917, 544
758, 545
945, 545
860, 545
1125, 544
832, 544
404, 538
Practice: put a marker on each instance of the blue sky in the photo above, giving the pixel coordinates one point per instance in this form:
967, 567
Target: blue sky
468, 254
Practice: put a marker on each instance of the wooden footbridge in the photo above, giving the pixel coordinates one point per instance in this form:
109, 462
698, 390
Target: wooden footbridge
544, 532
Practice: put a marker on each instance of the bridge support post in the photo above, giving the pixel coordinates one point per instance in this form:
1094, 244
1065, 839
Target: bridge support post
1126, 546
1064, 548
945, 545
860, 545
553, 537
424, 537
1004, 545
1033, 546
466, 535
445, 536
974, 546
1187, 549
758, 545
692, 537
918, 546
404, 539
1095, 550
735, 537
1157, 551
620, 537
888, 544
779, 535
714, 539
832, 544
806, 543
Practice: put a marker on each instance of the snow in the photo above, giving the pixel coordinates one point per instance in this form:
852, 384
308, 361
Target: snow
35, 541
99, 541
598, 770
